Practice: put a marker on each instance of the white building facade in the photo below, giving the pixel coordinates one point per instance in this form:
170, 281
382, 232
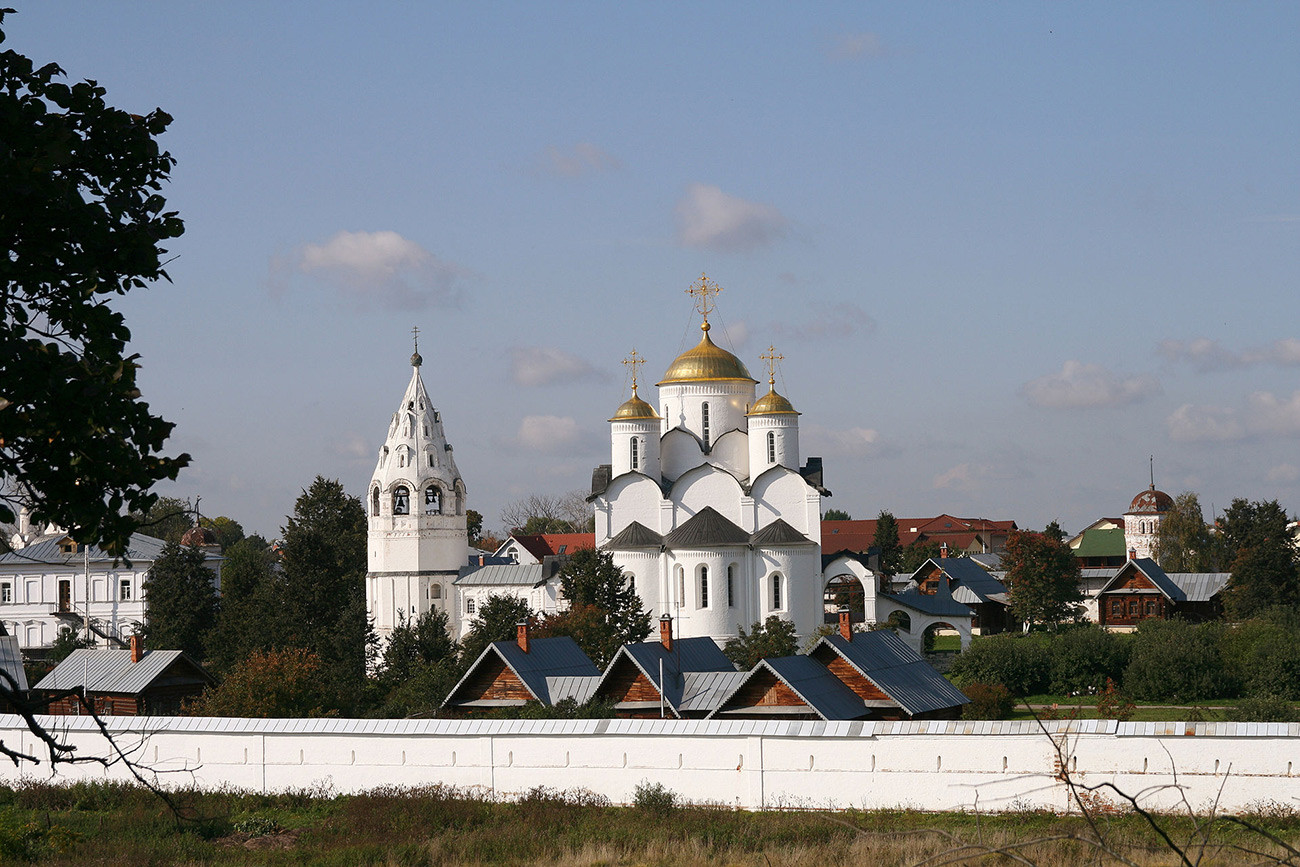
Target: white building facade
704, 504
418, 539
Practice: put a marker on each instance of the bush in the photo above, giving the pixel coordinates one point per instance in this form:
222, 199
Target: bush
1263, 656
1021, 663
988, 701
654, 798
1084, 658
1113, 704
1264, 708
1173, 660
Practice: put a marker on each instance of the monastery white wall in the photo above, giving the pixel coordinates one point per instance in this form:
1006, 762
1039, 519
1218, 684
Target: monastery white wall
924, 765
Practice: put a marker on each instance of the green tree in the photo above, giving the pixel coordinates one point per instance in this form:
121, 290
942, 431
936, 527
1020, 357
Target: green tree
498, 619
322, 606
886, 542
547, 513
167, 518
1021, 663
914, 555
1184, 542
180, 601
604, 611
1264, 569
474, 525
1042, 578
274, 683
250, 602
414, 644
836, 515
1173, 660
81, 221
770, 639
228, 530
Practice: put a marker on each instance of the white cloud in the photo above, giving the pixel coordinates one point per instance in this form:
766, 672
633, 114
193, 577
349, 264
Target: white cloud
583, 158
1085, 386
850, 46
854, 441
381, 268
1191, 423
352, 446
829, 322
1284, 473
1209, 355
962, 477
709, 218
543, 365
547, 433
1265, 414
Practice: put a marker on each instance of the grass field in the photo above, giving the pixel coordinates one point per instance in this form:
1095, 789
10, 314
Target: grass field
111, 824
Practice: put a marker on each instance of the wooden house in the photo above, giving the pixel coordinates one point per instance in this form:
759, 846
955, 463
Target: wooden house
970, 584
790, 688
513, 673
1141, 590
118, 682
673, 678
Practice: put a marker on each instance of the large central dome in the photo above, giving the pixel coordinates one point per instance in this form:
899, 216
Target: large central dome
706, 362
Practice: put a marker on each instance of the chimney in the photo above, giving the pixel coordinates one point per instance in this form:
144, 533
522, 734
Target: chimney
137, 649
943, 551
846, 627
666, 632
521, 635
1132, 553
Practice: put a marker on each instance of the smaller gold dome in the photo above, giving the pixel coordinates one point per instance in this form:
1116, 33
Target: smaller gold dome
772, 404
706, 362
635, 409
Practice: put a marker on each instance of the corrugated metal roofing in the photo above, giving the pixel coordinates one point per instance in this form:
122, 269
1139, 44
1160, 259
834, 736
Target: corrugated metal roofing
706, 528
813, 682
705, 690
900, 672
688, 655
1101, 543
11, 661
635, 535
111, 670
1154, 573
780, 533
1200, 586
940, 604
575, 686
46, 550
967, 573
546, 659
502, 575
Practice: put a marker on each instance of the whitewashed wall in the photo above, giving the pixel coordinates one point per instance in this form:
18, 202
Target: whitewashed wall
925, 765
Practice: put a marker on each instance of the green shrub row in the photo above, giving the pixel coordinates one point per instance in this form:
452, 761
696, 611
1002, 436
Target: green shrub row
1173, 661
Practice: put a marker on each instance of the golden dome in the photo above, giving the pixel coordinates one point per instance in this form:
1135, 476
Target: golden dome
634, 409
772, 404
707, 362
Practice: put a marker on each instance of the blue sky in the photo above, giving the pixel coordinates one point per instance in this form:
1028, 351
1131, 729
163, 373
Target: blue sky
1007, 250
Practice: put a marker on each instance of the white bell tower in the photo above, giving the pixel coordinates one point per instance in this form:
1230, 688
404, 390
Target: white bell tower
416, 505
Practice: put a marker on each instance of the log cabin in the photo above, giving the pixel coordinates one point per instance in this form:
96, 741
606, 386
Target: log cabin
513, 673
1141, 590
677, 678
117, 682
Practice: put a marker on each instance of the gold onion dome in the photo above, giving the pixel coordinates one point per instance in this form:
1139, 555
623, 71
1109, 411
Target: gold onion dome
634, 409
707, 362
772, 404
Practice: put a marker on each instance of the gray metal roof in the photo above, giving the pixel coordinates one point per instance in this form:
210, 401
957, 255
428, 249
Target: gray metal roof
941, 604
779, 533
705, 690
705, 529
967, 574
635, 535
113, 671
502, 575
901, 673
575, 686
1200, 586
546, 660
813, 682
45, 550
1154, 574
688, 655
11, 661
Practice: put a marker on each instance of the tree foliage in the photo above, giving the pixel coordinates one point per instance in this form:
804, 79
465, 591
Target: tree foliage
274, 683
886, 541
1264, 567
1042, 578
81, 221
167, 518
497, 620
1184, 542
250, 604
770, 639
414, 644
180, 601
1173, 660
836, 515
548, 513
604, 611
915, 555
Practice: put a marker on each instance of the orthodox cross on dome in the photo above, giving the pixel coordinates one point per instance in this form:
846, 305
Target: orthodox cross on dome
634, 361
705, 295
771, 357
1153, 472
416, 360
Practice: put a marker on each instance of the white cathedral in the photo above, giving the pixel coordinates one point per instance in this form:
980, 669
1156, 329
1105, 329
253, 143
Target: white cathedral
704, 504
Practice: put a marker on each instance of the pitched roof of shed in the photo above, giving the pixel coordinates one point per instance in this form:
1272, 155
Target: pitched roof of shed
1101, 543
900, 672
112, 671
969, 575
1177, 586
704, 529
813, 682
689, 655
547, 662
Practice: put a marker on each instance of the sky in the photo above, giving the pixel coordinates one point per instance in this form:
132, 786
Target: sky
1009, 251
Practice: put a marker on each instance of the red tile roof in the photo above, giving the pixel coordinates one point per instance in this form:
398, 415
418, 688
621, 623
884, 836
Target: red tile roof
959, 533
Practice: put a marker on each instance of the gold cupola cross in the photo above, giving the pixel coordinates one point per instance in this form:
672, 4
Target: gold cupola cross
634, 361
771, 357
705, 295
